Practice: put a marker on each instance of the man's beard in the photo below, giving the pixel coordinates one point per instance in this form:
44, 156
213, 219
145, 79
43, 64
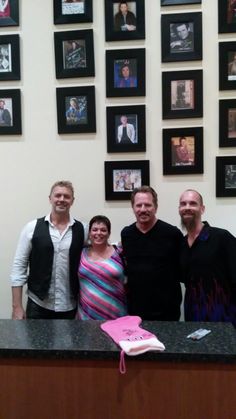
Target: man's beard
189, 223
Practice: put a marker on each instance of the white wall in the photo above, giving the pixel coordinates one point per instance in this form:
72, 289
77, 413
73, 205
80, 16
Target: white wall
30, 163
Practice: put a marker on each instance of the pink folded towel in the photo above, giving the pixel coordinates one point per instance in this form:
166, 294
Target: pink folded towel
132, 339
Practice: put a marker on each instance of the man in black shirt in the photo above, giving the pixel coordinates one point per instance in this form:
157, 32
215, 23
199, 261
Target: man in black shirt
151, 248
208, 265
182, 38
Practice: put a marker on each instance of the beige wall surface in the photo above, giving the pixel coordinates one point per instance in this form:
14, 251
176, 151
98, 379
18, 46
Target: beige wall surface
31, 162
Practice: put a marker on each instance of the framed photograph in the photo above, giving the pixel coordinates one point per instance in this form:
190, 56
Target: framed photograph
226, 176
76, 109
226, 16
74, 53
182, 94
125, 72
227, 65
124, 20
227, 123
126, 129
10, 112
122, 177
72, 11
9, 57
9, 12
181, 37
176, 2
182, 151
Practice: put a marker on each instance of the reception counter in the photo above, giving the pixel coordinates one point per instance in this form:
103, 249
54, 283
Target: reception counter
68, 369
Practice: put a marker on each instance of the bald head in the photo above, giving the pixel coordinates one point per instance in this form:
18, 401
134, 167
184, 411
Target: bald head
195, 193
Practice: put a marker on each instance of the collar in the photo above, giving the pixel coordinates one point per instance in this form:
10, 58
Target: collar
204, 233
71, 220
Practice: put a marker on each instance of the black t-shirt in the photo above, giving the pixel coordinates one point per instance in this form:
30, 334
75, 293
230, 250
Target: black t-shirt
154, 291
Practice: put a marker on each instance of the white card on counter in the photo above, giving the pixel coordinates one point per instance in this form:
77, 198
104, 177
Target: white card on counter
199, 334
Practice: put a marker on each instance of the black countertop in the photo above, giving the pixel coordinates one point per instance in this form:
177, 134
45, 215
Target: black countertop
73, 339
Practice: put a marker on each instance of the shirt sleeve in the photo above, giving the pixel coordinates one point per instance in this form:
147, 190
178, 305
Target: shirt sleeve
132, 133
86, 233
19, 271
229, 247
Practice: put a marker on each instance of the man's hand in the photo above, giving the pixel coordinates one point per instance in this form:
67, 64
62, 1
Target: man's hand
130, 27
176, 44
18, 313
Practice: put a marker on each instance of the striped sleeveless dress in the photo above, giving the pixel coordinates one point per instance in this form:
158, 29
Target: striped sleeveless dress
102, 294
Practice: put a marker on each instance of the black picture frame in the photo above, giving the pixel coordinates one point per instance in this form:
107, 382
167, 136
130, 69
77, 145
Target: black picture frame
179, 2
82, 117
135, 128
226, 176
9, 57
181, 37
182, 151
10, 101
10, 15
63, 13
74, 54
227, 65
227, 123
134, 61
116, 30
125, 172
226, 18
182, 94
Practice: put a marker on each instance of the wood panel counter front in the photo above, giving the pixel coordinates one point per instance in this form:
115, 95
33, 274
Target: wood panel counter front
68, 369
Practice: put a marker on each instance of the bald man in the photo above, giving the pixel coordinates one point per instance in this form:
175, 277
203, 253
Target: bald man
208, 264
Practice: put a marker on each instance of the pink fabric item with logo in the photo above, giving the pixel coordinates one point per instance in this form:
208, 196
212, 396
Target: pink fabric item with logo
132, 339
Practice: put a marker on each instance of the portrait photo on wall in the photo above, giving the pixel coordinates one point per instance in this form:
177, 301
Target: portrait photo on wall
176, 2
74, 53
76, 109
122, 177
227, 123
227, 65
72, 11
9, 57
126, 129
182, 151
181, 37
226, 176
125, 72
182, 94
226, 16
124, 20
10, 112
9, 12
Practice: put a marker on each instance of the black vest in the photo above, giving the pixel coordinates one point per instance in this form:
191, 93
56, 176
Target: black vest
41, 258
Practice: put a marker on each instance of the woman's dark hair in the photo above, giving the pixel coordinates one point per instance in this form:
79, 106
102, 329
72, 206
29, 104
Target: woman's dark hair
100, 219
182, 138
123, 66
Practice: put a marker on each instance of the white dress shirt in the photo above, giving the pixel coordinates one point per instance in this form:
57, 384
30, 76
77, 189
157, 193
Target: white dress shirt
59, 297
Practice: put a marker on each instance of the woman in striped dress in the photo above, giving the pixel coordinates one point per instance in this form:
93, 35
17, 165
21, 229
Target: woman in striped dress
101, 275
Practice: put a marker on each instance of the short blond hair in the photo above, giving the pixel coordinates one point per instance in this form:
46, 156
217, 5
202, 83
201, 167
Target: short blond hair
63, 184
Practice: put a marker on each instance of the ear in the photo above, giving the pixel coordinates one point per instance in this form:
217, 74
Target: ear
202, 209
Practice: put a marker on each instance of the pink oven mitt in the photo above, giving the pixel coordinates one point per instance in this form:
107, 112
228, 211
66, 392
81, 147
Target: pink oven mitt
132, 339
